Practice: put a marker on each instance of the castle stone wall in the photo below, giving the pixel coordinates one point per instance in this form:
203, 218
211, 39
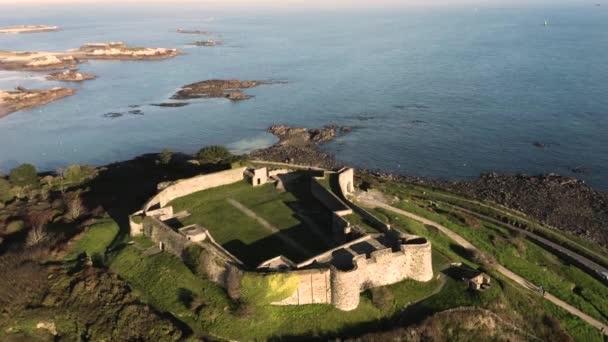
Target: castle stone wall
346, 181
314, 288
188, 186
419, 261
328, 199
158, 232
345, 289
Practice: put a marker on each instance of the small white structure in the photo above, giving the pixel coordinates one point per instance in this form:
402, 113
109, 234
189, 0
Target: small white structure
257, 177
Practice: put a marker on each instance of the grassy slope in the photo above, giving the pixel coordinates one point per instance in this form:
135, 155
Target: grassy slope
164, 281
507, 297
96, 239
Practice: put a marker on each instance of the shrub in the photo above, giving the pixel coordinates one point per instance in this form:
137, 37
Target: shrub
14, 227
5, 191
382, 298
38, 220
165, 157
260, 289
24, 175
75, 207
73, 174
213, 154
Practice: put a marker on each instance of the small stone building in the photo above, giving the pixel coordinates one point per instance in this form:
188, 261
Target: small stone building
257, 177
479, 282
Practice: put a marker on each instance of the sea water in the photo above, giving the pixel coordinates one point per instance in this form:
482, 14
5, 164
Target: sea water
437, 92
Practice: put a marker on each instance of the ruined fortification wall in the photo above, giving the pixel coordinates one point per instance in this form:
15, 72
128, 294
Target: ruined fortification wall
328, 199
419, 261
346, 180
158, 232
314, 288
345, 289
191, 185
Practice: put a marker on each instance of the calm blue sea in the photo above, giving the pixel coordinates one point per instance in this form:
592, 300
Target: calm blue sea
433, 92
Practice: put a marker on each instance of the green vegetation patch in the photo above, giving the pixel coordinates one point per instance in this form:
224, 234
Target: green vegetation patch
261, 289
166, 283
244, 236
96, 239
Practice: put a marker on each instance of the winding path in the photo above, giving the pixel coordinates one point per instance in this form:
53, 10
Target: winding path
372, 202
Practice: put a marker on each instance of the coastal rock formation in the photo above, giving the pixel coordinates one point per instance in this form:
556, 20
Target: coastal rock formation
208, 42
27, 29
562, 202
230, 89
301, 145
170, 104
70, 76
21, 98
121, 51
193, 32
44, 61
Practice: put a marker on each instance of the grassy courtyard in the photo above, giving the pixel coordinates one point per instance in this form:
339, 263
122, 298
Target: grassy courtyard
246, 237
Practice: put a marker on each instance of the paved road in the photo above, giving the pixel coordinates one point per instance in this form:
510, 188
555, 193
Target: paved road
585, 262
503, 270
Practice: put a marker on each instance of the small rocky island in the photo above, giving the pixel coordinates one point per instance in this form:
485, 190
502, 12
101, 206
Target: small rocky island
44, 61
207, 33
208, 42
70, 76
21, 98
27, 29
230, 89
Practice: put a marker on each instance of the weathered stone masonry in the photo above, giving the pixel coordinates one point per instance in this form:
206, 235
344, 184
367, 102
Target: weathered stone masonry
376, 259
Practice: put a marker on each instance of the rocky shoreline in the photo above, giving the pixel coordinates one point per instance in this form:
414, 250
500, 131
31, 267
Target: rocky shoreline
27, 29
21, 98
229, 89
45, 61
70, 76
301, 145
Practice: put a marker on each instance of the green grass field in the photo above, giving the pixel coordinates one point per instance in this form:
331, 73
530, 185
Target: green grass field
243, 235
96, 239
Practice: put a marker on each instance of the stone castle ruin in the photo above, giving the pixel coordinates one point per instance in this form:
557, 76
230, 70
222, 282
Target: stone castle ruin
360, 261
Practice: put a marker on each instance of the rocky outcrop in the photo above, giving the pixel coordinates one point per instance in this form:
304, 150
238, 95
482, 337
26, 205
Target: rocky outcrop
207, 33
21, 98
563, 202
44, 61
121, 51
230, 89
27, 29
70, 76
301, 145
208, 42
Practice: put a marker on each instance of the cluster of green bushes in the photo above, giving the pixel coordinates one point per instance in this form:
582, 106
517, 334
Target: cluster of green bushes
23, 181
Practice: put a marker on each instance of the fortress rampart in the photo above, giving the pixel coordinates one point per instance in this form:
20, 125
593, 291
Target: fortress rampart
336, 276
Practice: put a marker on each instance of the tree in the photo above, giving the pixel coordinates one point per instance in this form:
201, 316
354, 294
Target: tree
213, 154
165, 156
5, 191
24, 175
